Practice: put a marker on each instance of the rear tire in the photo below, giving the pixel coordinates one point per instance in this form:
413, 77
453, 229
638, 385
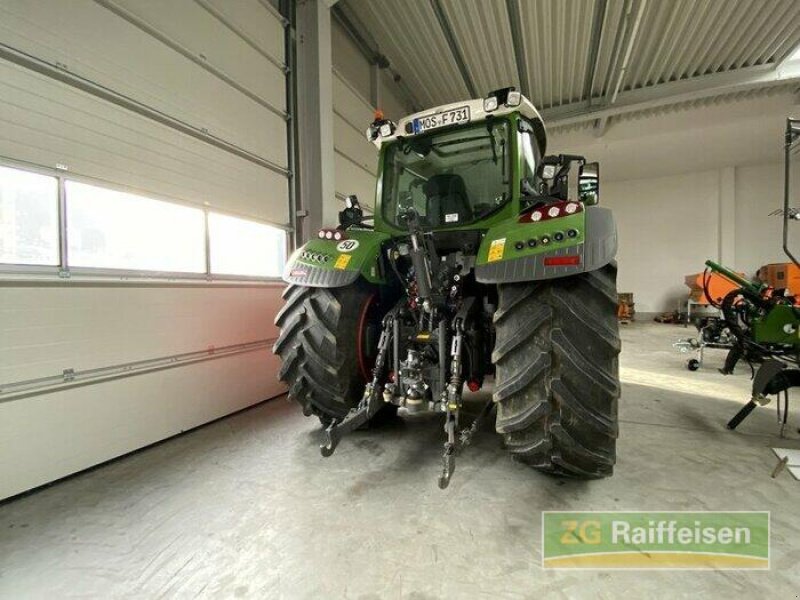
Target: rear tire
327, 340
557, 376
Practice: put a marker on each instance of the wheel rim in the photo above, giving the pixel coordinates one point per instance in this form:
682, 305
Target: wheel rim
366, 358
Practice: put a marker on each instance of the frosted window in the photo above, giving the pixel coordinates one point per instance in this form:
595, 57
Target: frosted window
28, 218
116, 230
242, 247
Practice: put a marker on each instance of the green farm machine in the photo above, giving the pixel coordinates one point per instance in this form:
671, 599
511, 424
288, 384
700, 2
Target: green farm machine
485, 259
765, 322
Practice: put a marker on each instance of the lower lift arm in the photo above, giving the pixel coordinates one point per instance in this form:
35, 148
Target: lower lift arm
372, 400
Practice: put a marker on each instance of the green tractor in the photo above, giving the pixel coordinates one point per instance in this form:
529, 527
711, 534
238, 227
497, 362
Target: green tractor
485, 260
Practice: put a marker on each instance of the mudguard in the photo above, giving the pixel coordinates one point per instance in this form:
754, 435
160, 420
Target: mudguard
524, 249
330, 263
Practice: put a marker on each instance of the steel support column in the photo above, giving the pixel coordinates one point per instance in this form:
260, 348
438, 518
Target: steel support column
314, 80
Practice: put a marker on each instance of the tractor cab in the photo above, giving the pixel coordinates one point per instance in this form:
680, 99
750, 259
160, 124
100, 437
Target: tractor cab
470, 164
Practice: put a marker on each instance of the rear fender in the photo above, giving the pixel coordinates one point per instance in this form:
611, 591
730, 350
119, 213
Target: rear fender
329, 263
507, 254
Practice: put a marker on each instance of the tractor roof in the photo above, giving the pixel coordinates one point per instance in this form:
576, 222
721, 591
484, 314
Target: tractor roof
409, 126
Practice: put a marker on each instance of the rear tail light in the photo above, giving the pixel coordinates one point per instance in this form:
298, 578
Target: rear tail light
562, 261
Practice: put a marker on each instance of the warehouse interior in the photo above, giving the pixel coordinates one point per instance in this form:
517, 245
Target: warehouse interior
163, 163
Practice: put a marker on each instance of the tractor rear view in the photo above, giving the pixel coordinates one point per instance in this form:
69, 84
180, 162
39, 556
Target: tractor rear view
485, 259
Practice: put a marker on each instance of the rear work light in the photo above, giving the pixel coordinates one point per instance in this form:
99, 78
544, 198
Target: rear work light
332, 234
562, 261
551, 211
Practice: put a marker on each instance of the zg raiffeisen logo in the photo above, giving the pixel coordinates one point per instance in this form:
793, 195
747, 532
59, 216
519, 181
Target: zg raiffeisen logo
655, 540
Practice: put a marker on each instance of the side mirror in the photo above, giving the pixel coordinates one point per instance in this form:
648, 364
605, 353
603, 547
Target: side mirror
589, 183
352, 213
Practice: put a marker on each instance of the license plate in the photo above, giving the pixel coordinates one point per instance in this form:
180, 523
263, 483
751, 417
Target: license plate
442, 119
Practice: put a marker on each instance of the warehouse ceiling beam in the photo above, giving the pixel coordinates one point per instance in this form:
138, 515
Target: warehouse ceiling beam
674, 92
624, 43
515, 24
594, 48
455, 49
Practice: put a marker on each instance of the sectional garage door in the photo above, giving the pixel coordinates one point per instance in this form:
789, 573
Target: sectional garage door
183, 99
182, 102
355, 158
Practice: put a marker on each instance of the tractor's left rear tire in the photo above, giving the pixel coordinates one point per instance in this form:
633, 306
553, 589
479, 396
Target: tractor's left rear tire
326, 344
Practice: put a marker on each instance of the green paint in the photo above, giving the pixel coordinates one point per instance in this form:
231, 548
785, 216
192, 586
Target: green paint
504, 224
770, 327
639, 534
513, 232
364, 258
779, 325
734, 277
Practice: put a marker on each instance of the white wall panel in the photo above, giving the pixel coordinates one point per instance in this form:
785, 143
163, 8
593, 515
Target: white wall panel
356, 158
667, 229
175, 100
43, 438
44, 330
350, 103
392, 105
348, 60
202, 33
97, 44
255, 21
353, 143
49, 123
351, 179
759, 236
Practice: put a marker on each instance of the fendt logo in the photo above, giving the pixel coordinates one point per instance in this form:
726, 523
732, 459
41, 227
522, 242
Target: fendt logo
659, 540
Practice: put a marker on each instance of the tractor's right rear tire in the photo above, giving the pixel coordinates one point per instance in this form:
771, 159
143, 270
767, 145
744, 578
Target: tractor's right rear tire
557, 381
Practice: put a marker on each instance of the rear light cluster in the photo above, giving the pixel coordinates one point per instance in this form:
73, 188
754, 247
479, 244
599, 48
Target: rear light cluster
553, 211
547, 238
314, 257
331, 234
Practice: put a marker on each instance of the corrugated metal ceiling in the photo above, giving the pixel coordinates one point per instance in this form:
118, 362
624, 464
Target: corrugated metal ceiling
411, 38
485, 43
680, 39
557, 56
572, 52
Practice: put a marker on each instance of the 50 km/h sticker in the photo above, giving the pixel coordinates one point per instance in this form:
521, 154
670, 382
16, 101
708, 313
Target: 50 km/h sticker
347, 245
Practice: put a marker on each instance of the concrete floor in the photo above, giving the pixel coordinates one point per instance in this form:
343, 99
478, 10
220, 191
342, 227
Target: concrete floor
246, 507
